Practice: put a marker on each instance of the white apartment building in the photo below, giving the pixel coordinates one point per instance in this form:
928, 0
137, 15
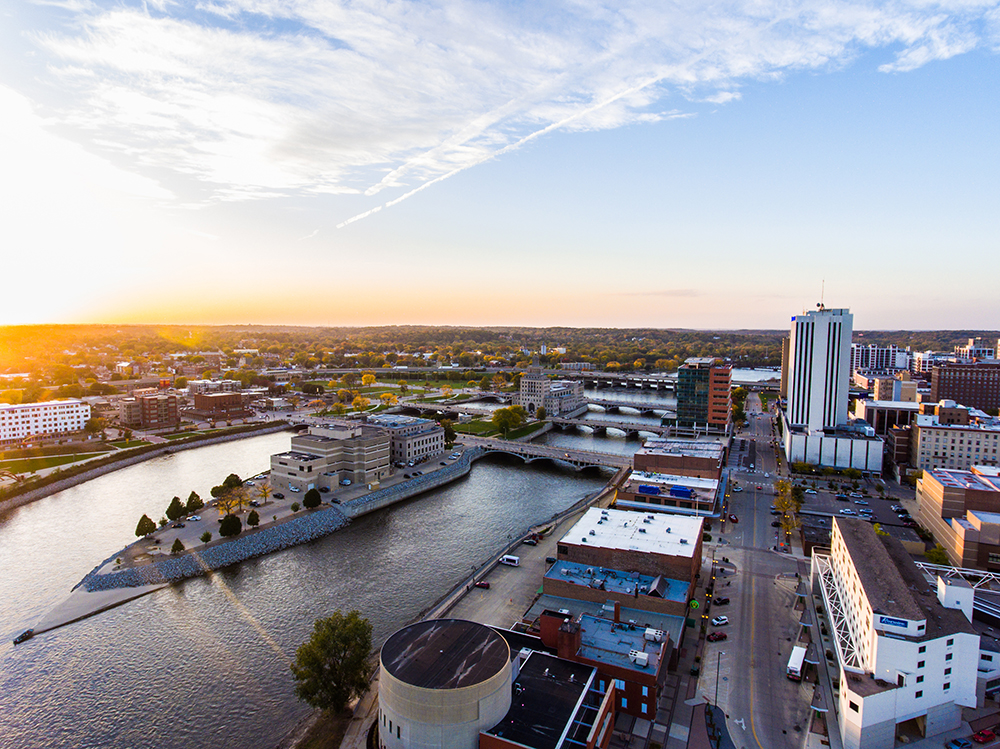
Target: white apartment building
925, 361
47, 418
906, 649
815, 423
976, 348
213, 386
412, 439
879, 358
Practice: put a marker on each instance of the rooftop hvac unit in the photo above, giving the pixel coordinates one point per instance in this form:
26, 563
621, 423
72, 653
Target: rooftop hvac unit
639, 658
668, 529
642, 530
564, 571
592, 532
646, 521
653, 635
590, 570
683, 541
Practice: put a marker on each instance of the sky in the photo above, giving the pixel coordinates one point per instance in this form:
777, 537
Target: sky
615, 164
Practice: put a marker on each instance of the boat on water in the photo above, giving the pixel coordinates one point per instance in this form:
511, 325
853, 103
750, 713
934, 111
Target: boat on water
25, 635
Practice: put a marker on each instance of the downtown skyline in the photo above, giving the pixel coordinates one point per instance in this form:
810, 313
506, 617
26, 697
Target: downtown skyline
479, 164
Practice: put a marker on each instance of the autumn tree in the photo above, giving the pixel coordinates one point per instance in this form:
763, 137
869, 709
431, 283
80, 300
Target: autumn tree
389, 399
368, 379
360, 403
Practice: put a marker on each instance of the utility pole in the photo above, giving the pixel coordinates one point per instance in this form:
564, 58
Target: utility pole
718, 664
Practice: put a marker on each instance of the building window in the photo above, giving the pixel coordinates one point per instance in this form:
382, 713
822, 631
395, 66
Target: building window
920, 664
619, 683
624, 704
947, 686
951, 641
920, 679
922, 649
948, 657
919, 694
987, 657
642, 707
645, 691
947, 672
854, 706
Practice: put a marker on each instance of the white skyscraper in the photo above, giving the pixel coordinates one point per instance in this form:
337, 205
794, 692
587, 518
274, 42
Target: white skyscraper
819, 361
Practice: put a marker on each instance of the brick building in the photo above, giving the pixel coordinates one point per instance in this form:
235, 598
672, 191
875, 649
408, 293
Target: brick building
974, 384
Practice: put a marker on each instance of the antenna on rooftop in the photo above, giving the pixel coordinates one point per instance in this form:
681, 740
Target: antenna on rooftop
822, 294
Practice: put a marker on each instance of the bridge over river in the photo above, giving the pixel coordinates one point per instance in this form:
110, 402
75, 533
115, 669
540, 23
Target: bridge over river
599, 426
531, 452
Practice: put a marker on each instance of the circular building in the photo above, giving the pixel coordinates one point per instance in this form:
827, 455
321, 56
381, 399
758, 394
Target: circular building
441, 683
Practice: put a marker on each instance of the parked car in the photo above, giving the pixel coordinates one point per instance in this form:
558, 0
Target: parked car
847, 511
775, 523
483, 584
531, 542
717, 636
550, 560
733, 519
720, 621
195, 518
278, 495
862, 502
324, 489
811, 491
981, 737
737, 488
958, 744
177, 525
720, 601
254, 503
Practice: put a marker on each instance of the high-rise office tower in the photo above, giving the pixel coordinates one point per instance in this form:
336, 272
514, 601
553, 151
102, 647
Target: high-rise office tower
819, 368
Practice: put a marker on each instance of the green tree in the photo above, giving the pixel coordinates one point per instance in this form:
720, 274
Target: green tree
180, 382
206, 537
178, 547
253, 519
937, 555
94, 425
484, 384
541, 413
333, 667
312, 499
232, 482
176, 509
506, 419
230, 526
145, 526
194, 502
449, 431
403, 386
295, 506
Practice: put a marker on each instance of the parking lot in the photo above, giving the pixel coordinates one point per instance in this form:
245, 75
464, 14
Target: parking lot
825, 502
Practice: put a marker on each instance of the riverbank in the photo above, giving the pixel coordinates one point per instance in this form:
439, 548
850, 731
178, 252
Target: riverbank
108, 464
310, 732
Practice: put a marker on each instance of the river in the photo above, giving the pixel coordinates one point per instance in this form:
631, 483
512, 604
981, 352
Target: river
204, 663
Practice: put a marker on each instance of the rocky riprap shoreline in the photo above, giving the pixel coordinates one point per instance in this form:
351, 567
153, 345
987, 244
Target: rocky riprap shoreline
299, 530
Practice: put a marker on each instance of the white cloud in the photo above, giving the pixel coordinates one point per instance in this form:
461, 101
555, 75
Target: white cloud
256, 98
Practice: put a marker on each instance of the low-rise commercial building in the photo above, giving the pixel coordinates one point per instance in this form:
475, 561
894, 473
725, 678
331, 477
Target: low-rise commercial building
885, 415
947, 435
412, 439
651, 544
663, 492
24, 420
906, 651
659, 593
213, 386
326, 456
962, 510
220, 405
681, 457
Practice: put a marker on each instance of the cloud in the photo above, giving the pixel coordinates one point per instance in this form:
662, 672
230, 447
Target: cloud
249, 99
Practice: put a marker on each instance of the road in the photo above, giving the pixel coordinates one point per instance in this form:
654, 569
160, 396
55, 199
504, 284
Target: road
762, 706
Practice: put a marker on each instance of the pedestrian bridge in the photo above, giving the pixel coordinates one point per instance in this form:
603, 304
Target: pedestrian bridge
631, 428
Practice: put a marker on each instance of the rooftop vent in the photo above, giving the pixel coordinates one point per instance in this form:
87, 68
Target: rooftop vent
639, 658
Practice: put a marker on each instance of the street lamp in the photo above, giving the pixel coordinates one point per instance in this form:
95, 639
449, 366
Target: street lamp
718, 665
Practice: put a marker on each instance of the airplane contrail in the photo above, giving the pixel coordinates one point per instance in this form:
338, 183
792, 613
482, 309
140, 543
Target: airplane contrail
508, 148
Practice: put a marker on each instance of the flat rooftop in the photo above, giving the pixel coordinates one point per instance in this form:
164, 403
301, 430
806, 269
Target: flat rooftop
395, 421
672, 625
669, 479
546, 696
610, 643
657, 533
293, 455
965, 480
617, 581
679, 447
445, 654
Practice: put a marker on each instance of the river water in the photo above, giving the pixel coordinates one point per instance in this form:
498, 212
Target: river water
204, 663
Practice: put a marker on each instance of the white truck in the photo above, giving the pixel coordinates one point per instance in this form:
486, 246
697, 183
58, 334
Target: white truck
795, 663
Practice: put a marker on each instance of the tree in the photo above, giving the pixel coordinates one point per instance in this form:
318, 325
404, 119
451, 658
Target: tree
541, 413
176, 509
163, 521
206, 537
506, 419
343, 395
194, 502
180, 382
145, 526
472, 384
264, 490
333, 668
403, 386
312, 499
295, 506
360, 404
178, 547
484, 384
937, 555
253, 519
389, 399
94, 425
367, 379
231, 525
449, 431
447, 391
497, 382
